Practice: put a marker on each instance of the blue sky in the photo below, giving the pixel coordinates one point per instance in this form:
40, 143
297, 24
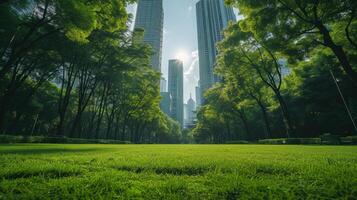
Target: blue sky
180, 40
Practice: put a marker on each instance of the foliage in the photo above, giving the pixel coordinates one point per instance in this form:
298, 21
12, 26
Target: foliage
276, 63
76, 70
291, 141
348, 140
237, 142
11, 139
327, 138
295, 28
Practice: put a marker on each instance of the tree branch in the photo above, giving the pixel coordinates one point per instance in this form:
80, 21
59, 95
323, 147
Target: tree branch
347, 29
294, 12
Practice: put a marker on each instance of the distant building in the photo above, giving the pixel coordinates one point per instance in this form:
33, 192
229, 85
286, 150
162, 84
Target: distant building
185, 114
165, 103
212, 18
176, 90
150, 17
198, 97
191, 112
163, 83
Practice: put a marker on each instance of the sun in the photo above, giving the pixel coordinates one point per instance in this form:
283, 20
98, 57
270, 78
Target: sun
182, 55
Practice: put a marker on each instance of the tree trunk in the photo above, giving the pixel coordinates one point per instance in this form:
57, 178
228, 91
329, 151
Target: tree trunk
245, 122
338, 51
2, 117
123, 129
4, 103
286, 115
266, 120
65, 95
75, 129
101, 109
228, 128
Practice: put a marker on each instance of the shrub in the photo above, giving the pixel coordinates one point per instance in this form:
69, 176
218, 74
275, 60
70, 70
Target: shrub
330, 139
33, 139
273, 141
291, 141
56, 140
237, 142
11, 139
350, 140
310, 140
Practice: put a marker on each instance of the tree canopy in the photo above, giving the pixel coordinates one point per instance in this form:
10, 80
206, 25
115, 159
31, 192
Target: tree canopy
276, 63
73, 68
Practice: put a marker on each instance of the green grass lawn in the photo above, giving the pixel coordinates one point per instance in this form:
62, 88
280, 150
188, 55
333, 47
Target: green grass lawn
177, 172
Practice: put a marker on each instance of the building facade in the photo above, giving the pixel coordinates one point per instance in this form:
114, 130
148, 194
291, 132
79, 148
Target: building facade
163, 85
213, 17
190, 113
175, 89
198, 96
150, 17
165, 103
185, 115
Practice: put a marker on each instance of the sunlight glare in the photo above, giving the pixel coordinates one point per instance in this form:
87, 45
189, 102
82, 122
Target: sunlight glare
182, 55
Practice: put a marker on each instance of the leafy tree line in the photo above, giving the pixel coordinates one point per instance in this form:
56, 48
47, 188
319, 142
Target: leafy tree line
258, 99
72, 68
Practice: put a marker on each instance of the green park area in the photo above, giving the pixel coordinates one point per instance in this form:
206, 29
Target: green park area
44, 171
178, 99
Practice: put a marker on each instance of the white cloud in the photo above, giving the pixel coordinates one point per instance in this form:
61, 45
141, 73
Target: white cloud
191, 76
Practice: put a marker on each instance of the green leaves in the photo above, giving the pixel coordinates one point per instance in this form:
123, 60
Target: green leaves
308, 37
295, 28
81, 17
85, 65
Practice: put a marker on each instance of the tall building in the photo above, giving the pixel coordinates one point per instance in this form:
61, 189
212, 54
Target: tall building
190, 112
165, 103
163, 83
198, 96
185, 115
150, 17
176, 90
212, 18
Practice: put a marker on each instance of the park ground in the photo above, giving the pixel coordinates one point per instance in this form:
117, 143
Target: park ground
44, 171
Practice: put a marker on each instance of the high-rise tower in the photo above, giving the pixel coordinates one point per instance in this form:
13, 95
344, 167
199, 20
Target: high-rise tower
165, 103
212, 17
176, 89
198, 95
150, 17
191, 112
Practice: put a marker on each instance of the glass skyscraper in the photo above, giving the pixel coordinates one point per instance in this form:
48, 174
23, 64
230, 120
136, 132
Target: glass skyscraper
150, 17
212, 18
176, 90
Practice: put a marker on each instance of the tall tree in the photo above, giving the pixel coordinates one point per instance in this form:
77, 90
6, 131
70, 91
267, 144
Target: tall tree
297, 26
244, 54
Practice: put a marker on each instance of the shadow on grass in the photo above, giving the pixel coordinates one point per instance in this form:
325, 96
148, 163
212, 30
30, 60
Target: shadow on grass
46, 151
177, 171
50, 173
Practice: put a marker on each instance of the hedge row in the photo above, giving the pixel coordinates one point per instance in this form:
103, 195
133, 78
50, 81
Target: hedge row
56, 140
349, 140
326, 139
291, 141
237, 142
